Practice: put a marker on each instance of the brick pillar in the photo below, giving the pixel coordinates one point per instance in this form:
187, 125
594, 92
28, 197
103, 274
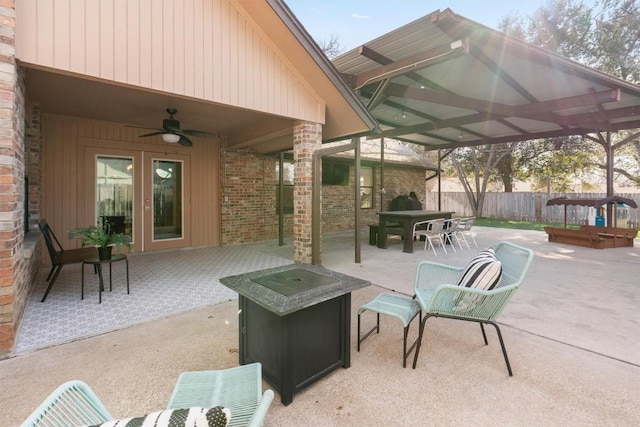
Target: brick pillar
307, 138
33, 156
11, 175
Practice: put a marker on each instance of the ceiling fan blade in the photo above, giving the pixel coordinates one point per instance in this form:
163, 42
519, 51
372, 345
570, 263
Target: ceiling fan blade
185, 141
141, 127
198, 133
152, 134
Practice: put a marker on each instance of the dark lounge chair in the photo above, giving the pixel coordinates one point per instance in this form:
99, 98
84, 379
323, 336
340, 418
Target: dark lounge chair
59, 256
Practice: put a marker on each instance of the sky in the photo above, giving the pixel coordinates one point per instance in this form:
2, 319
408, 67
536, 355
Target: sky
355, 22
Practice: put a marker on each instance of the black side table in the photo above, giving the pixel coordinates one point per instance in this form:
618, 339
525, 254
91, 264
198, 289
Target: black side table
97, 263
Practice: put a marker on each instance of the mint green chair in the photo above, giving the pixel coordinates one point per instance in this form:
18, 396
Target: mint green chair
239, 389
71, 404
439, 296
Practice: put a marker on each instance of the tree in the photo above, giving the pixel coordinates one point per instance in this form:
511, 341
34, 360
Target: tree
331, 46
475, 167
605, 36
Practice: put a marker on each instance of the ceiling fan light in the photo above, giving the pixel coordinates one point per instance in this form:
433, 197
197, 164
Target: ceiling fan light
171, 138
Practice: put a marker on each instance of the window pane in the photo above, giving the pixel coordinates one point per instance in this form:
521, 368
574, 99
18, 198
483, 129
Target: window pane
366, 187
167, 199
114, 193
288, 172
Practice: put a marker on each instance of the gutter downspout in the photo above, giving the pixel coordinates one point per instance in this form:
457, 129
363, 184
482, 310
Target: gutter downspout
316, 186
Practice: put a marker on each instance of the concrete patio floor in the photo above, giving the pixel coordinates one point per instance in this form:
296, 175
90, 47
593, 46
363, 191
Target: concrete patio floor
572, 333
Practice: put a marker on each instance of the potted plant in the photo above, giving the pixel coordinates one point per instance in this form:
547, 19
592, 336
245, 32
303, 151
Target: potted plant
103, 239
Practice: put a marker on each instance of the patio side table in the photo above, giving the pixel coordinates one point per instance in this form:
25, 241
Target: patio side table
95, 261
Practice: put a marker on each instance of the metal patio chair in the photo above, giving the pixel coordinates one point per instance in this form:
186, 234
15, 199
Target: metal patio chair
239, 389
450, 227
59, 256
464, 228
439, 295
71, 404
431, 230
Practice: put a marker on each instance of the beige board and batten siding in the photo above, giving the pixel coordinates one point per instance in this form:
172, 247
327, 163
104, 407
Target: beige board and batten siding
63, 184
205, 49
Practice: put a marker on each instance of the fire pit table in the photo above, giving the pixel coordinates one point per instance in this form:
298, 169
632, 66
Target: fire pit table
296, 321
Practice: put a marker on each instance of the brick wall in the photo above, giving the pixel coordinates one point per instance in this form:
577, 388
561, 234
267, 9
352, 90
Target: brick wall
14, 268
249, 189
249, 198
338, 205
307, 138
33, 149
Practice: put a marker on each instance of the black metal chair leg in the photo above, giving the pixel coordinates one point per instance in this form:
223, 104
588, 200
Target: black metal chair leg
52, 281
484, 335
504, 350
419, 344
53, 267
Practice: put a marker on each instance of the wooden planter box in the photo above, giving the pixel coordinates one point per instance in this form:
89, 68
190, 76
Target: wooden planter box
591, 236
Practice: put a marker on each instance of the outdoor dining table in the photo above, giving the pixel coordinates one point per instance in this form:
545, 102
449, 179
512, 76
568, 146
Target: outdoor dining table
407, 220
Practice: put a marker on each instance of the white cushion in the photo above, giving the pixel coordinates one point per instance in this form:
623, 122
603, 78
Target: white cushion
188, 417
484, 271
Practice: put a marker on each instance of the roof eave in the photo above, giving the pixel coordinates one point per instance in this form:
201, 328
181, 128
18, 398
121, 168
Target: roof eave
303, 37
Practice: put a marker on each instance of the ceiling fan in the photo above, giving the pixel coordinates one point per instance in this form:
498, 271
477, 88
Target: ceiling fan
172, 133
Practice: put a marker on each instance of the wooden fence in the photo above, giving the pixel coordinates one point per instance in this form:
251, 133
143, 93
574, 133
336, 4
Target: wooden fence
525, 206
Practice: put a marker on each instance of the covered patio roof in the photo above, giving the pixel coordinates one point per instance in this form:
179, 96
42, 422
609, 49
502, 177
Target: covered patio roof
444, 81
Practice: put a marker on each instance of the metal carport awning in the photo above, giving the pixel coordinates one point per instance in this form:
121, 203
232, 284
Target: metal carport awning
444, 81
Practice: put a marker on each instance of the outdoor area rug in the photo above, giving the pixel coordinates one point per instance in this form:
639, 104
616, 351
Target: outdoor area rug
162, 284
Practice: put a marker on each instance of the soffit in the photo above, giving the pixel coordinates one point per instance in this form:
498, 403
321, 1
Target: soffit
395, 152
70, 94
444, 81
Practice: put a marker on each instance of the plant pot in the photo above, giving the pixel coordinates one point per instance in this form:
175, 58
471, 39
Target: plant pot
104, 252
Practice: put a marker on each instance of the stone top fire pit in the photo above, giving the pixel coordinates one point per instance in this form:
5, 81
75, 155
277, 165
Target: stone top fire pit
284, 290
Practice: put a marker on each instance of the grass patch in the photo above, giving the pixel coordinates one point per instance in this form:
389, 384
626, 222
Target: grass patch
523, 225
519, 225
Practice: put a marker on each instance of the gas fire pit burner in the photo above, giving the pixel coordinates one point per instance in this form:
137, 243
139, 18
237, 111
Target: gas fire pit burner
291, 282
296, 321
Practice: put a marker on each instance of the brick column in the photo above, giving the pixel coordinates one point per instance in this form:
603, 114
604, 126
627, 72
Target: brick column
307, 138
33, 156
11, 176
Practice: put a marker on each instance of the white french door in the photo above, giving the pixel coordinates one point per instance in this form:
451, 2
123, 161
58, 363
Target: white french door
142, 194
166, 201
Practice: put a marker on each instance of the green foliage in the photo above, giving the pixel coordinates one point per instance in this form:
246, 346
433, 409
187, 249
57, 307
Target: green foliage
603, 36
522, 225
99, 236
518, 225
556, 164
476, 166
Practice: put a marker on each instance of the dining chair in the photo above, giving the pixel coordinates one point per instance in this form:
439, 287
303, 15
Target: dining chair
464, 228
434, 230
451, 231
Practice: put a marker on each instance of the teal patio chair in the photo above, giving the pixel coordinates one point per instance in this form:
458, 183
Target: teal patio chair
71, 404
239, 389
439, 296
